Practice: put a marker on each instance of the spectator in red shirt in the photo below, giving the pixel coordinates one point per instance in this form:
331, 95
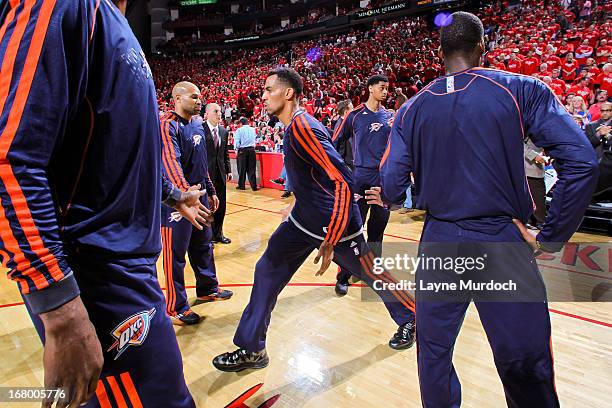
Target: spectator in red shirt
603, 51
569, 68
601, 97
514, 65
604, 80
530, 64
557, 89
543, 71
583, 52
581, 89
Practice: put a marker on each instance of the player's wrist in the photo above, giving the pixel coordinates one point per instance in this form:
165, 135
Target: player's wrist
54, 296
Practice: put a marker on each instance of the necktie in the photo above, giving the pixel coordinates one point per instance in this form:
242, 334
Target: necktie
216, 137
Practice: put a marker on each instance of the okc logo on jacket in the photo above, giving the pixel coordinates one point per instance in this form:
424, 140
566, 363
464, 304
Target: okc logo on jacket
132, 331
375, 127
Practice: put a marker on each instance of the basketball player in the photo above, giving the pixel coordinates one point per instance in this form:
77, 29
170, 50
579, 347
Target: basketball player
477, 201
80, 171
368, 126
185, 161
324, 216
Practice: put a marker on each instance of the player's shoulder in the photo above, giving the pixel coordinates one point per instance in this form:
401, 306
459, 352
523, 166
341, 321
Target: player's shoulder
357, 110
308, 123
509, 80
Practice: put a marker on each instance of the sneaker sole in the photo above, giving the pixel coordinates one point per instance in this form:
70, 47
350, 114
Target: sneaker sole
255, 366
404, 347
215, 299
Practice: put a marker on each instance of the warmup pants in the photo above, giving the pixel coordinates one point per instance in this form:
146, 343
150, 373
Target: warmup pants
145, 370
287, 250
518, 331
179, 238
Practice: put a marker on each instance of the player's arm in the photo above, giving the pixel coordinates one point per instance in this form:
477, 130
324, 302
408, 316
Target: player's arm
344, 130
171, 154
552, 128
315, 146
45, 60
396, 164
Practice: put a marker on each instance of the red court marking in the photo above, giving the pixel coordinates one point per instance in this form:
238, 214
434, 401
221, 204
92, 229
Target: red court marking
361, 285
586, 319
416, 240
234, 212
11, 304
254, 208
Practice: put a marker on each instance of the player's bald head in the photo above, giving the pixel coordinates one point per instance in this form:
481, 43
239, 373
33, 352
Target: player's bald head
461, 35
184, 88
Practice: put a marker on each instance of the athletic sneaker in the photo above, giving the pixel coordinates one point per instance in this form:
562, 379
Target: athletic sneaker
187, 318
219, 295
241, 359
279, 181
286, 194
404, 337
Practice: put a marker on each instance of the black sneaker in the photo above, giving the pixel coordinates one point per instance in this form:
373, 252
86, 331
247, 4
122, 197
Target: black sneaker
241, 360
286, 194
220, 294
341, 288
187, 318
278, 181
404, 338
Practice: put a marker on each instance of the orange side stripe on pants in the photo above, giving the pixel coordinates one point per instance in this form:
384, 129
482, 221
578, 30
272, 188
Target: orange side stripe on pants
167, 246
102, 395
131, 390
387, 277
116, 391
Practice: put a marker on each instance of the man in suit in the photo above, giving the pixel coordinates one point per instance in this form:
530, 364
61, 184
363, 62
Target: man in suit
218, 165
600, 136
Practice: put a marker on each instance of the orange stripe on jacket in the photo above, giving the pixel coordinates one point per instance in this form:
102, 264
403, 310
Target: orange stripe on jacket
334, 236
116, 392
102, 395
319, 158
13, 188
341, 193
131, 390
172, 164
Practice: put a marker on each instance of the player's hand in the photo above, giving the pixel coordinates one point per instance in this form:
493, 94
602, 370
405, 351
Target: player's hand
228, 177
326, 251
528, 235
540, 160
214, 203
373, 196
192, 209
72, 356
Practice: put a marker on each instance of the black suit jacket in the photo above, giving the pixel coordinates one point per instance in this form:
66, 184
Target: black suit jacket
602, 146
218, 157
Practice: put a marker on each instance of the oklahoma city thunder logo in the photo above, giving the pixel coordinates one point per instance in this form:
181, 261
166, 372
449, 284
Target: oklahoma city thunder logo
375, 127
175, 217
132, 331
197, 139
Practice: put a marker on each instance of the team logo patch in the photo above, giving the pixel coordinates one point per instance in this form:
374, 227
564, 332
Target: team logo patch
375, 127
175, 217
132, 331
197, 139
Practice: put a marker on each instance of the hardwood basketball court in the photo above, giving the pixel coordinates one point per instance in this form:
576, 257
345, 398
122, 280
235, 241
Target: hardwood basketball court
328, 351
